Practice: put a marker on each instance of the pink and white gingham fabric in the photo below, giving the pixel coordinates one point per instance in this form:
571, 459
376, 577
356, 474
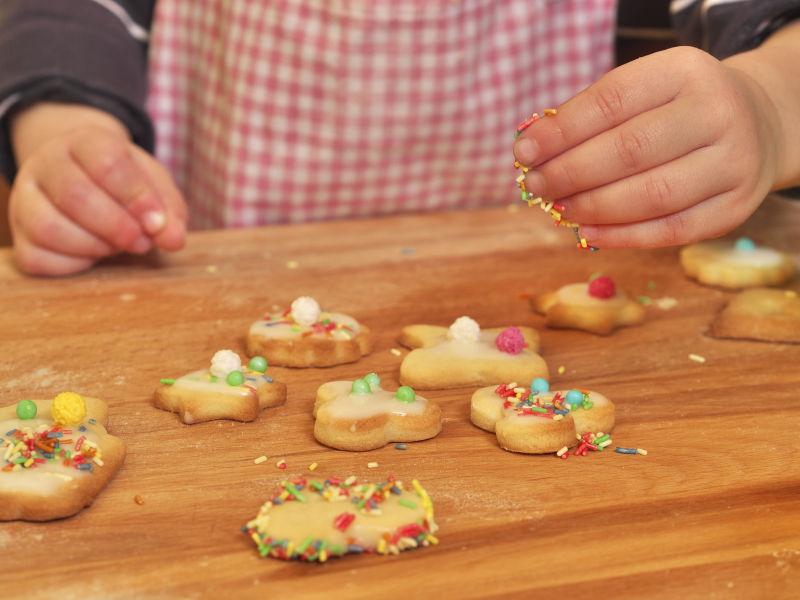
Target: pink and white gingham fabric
273, 111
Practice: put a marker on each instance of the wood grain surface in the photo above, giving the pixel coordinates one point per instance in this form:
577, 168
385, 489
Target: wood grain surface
713, 511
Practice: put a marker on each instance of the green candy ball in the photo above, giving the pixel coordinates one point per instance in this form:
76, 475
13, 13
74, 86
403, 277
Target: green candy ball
405, 394
360, 386
235, 378
258, 363
373, 380
26, 409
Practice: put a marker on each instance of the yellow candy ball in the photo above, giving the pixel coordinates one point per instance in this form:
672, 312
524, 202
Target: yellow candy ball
69, 408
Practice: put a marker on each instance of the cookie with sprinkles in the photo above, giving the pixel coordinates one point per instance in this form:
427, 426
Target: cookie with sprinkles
464, 355
536, 420
361, 415
761, 314
55, 456
226, 390
597, 306
736, 265
313, 520
304, 335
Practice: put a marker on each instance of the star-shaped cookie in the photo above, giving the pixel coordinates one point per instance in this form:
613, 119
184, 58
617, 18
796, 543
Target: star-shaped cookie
760, 314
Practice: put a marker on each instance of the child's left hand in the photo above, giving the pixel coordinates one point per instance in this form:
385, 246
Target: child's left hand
669, 149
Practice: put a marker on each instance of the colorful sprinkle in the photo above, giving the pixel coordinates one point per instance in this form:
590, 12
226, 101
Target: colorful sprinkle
400, 446
395, 352
260, 459
745, 244
167, 381
697, 358
313, 466
372, 465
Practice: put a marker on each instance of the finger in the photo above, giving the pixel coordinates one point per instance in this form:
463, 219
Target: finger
47, 228
173, 235
34, 260
661, 191
713, 218
108, 161
75, 195
629, 90
643, 142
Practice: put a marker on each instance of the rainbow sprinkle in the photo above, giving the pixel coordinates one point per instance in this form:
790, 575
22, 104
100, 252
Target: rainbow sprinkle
27, 448
356, 500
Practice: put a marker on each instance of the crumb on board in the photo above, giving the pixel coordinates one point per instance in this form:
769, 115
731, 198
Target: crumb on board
212, 269
138, 499
292, 264
697, 358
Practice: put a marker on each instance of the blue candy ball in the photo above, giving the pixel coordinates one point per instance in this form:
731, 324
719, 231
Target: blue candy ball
746, 244
540, 385
574, 397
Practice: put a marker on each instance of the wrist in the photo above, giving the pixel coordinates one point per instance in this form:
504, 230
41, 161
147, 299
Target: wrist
44, 121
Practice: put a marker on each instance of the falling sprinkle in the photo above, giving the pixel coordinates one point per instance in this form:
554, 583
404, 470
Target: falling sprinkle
313, 466
372, 465
666, 303
138, 499
651, 285
697, 358
212, 269
395, 352
562, 369
292, 264
260, 459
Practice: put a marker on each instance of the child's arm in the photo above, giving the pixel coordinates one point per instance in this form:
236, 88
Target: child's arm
72, 90
674, 147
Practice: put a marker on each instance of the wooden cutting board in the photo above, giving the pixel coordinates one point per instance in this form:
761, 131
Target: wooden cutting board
713, 511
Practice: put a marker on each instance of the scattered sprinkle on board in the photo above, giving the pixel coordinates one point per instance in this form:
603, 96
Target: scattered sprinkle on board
395, 352
292, 264
372, 465
697, 358
260, 459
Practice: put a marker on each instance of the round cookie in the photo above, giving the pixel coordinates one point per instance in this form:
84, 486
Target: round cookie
305, 336
737, 265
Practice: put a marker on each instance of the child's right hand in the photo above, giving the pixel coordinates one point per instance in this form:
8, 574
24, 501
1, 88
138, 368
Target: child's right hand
84, 191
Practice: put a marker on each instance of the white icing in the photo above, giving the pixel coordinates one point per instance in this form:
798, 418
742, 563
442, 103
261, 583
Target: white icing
363, 406
577, 294
49, 477
347, 327
224, 362
464, 329
306, 311
757, 257
200, 381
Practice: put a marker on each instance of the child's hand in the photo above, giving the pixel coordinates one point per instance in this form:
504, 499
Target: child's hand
669, 149
84, 192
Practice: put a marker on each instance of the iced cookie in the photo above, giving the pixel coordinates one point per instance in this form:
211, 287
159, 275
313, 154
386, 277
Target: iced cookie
466, 355
305, 336
537, 421
738, 265
360, 415
597, 307
226, 390
314, 520
760, 314
55, 456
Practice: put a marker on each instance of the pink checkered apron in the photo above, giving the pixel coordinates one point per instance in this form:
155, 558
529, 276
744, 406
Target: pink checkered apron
274, 111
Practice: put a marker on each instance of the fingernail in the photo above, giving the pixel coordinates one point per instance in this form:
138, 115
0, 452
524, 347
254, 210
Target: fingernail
526, 151
154, 221
141, 245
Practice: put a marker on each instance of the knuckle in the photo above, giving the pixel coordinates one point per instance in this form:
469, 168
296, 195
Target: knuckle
631, 146
123, 232
657, 194
72, 195
609, 100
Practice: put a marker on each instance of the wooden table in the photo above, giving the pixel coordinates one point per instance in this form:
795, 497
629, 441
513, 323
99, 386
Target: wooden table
713, 511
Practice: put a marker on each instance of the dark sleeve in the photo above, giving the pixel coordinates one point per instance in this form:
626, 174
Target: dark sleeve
724, 28
91, 52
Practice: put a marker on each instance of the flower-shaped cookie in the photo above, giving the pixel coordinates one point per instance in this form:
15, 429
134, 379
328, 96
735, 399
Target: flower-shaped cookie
305, 336
55, 456
313, 520
760, 314
226, 390
465, 355
537, 421
360, 415
741, 264
597, 307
